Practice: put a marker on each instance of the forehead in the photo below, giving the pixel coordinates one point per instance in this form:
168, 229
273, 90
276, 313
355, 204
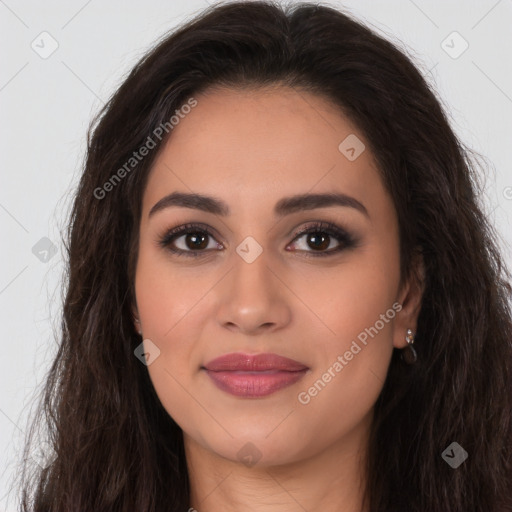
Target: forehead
253, 146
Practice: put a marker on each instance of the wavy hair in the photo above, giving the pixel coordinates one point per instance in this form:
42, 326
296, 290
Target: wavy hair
115, 446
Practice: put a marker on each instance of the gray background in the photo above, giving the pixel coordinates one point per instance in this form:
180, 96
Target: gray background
47, 103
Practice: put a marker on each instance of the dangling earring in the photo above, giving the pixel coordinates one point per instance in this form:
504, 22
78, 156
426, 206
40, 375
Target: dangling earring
139, 330
409, 355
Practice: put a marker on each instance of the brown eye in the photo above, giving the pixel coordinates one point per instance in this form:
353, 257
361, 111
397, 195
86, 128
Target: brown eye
195, 241
321, 236
320, 241
189, 240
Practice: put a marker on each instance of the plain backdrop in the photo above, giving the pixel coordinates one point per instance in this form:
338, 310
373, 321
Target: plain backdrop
62, 60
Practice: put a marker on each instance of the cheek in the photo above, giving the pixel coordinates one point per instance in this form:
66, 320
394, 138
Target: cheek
172, 315
345, 300
350, 374
166, 292
353, 338
341, 395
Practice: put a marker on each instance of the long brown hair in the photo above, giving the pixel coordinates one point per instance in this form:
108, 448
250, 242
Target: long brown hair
116, 448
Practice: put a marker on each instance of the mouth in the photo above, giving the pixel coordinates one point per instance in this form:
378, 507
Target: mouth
254, 376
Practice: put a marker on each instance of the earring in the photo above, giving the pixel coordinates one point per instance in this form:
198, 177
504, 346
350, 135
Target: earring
139, 330
409, 355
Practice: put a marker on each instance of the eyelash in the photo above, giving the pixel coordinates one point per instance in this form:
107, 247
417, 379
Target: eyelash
346, 240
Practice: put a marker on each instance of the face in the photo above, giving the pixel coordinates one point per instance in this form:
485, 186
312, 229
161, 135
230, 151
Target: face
244, 279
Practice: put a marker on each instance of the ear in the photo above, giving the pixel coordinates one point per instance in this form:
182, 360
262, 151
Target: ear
136, 320
410, 298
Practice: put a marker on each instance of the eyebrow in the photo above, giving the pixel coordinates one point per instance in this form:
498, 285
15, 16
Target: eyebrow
284, 206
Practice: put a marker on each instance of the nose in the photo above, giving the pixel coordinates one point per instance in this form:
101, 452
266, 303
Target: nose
254, 298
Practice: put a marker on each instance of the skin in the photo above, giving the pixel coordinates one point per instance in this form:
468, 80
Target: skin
250, 148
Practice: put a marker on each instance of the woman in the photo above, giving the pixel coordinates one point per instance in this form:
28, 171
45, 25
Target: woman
283, 294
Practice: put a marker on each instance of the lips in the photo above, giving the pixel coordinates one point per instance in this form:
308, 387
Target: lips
254, 376
254, 363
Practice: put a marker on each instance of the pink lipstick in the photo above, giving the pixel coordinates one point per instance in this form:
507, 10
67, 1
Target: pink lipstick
254, 376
